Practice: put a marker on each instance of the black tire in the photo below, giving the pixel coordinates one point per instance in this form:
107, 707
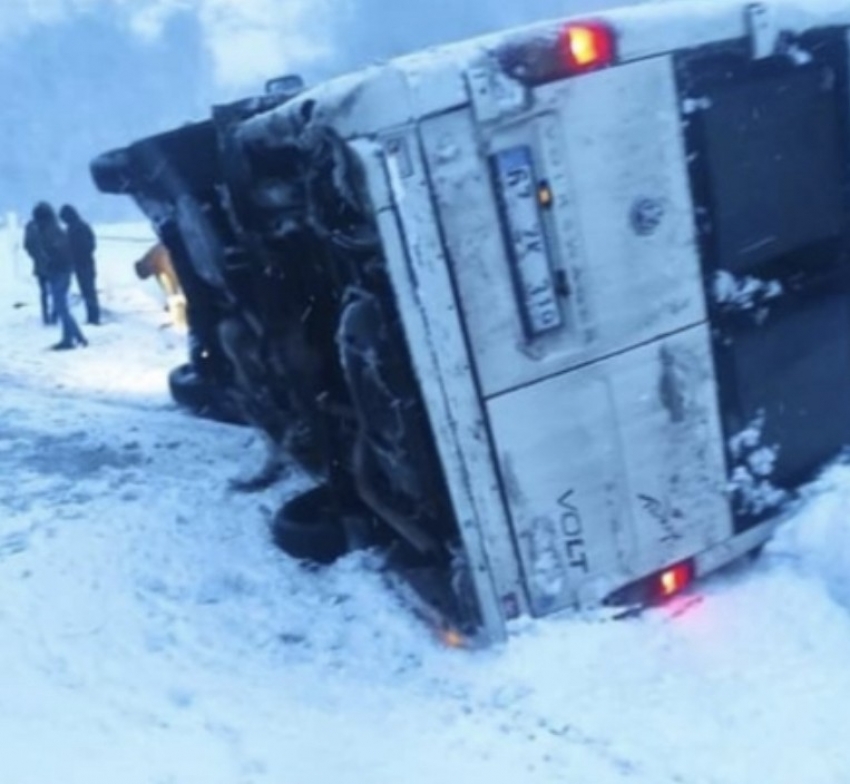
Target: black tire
310, 527
187, 387
190, 390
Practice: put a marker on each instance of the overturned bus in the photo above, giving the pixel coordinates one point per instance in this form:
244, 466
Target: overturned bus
557, 318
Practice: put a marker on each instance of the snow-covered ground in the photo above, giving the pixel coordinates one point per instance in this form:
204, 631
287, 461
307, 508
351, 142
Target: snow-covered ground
149, 633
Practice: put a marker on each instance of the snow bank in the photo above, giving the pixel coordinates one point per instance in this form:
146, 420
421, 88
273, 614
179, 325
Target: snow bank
821, 537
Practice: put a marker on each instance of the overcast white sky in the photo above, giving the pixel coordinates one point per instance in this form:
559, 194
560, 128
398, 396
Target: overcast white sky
249, 39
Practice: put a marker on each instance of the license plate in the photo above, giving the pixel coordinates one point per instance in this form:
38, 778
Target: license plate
532, 272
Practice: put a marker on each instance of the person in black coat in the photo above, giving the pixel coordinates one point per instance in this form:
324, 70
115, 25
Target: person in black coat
33, 246
58, 265
82, 242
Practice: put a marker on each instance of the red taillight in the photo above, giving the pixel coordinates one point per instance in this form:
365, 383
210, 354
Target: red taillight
587, 46
674, 580
568, 50
654, 589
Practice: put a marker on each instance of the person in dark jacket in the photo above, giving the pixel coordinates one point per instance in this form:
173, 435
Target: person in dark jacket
33, 246
82, 242
59, 266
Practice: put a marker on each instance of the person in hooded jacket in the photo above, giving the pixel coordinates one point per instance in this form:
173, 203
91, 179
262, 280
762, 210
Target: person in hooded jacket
33, 247
59, 266
82, 243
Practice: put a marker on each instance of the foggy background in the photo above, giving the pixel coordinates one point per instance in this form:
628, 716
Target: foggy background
80, 77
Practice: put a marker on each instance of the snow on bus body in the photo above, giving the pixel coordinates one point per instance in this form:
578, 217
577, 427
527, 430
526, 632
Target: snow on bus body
434, 80
600, 326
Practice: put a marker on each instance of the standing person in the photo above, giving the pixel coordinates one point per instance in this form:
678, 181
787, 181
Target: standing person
35, 250
82, 242
57, 254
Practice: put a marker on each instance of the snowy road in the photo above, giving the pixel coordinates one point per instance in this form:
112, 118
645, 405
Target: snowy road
149, 634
